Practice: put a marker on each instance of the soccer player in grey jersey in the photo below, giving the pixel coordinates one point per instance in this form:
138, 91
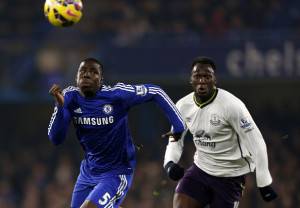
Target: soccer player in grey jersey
228, 146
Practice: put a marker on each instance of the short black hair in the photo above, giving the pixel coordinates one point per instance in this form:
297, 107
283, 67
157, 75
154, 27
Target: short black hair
93, 60
204, 60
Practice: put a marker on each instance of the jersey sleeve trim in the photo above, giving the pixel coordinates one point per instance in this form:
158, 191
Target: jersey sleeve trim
155, 90
52, 119
119, 86
69, 89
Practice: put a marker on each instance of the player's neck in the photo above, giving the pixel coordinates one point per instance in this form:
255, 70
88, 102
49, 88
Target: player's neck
200, 100
89, 93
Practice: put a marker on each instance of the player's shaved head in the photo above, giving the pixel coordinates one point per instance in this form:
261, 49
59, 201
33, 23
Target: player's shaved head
204, 60
91, 59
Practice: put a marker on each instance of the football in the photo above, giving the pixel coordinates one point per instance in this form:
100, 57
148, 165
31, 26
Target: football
63, 13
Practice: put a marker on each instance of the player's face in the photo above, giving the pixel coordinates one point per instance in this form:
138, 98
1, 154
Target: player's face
203, 80
89, 77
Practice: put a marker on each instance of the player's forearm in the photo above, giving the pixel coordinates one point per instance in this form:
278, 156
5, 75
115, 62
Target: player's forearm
173, 151
58, 125
263, 176
259, 150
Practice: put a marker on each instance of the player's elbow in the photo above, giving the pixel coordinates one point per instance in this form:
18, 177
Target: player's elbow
56, 143
55, 139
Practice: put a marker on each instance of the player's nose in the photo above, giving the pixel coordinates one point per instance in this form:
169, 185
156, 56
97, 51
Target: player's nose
201, 80
87, 74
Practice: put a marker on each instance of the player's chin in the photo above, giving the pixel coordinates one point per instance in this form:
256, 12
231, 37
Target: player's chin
202, 92
88, 90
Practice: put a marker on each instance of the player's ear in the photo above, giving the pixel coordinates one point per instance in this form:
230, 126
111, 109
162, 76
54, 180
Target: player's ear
77, 79
101, 81
215, 81
191, 80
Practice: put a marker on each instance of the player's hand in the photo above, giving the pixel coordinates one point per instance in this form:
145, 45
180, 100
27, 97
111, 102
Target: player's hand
55, 91
174, 171
170, 134
267, 193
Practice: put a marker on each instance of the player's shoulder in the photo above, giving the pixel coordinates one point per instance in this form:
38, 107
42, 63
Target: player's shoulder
119, 90
139, 89
120, 86
228, 99
186, 100
70, 90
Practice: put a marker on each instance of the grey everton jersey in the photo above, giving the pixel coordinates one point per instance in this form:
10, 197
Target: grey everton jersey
228, 142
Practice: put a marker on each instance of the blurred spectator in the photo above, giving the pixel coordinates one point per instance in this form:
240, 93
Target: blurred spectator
49, 63
123, 23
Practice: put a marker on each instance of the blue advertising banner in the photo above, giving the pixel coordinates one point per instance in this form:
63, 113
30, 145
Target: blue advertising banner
252, 57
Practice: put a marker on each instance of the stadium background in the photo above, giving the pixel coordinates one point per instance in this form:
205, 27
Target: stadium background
257, 49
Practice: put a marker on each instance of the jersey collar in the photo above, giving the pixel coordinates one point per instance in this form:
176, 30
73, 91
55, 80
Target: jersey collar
210, 100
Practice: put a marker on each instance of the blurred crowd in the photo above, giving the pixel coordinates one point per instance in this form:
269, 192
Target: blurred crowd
144, 16
26, 38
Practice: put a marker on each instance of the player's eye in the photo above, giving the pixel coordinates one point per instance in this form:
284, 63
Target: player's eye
197, 76
95, 72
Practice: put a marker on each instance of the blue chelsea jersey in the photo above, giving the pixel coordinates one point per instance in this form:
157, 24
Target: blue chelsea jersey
101, 124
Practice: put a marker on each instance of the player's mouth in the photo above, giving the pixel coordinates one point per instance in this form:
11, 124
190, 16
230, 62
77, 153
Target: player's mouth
202, 89
86, 83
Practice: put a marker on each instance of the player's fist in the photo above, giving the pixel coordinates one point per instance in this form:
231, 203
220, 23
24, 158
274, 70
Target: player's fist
174, 171
174, 136
55, 91
267, 193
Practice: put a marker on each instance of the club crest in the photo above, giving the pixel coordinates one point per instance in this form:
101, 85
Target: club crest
215, 120
107, 109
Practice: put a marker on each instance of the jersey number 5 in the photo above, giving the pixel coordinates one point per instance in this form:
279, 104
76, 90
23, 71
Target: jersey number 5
104, 198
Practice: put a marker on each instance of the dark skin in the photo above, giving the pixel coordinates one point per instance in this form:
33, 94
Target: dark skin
89, 80
203, 81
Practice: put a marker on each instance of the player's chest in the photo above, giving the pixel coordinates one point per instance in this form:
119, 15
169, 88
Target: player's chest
209, 119
96, 113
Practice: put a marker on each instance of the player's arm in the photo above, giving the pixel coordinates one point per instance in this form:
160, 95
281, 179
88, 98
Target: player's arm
251, 137
60, 118
136, 94
173, 154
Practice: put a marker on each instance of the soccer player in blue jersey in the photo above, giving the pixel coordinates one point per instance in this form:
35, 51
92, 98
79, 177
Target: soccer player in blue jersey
100, 116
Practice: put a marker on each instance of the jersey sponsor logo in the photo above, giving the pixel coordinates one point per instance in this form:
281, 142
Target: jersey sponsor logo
107, 109
141, 90
100, 121
203, 139
78, 110
215, 120
245, 124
